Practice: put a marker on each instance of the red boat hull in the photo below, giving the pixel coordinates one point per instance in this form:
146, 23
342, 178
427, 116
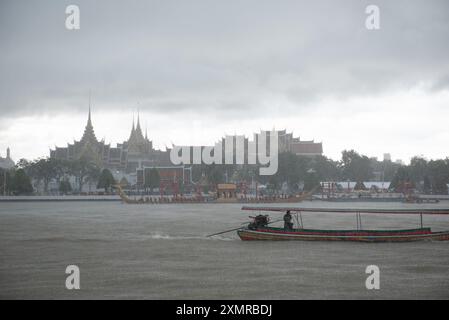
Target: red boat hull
344, 235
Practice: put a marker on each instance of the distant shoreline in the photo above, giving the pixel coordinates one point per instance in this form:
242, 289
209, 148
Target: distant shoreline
58, 198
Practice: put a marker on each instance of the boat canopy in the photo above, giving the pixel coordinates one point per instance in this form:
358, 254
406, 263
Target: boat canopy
352, 210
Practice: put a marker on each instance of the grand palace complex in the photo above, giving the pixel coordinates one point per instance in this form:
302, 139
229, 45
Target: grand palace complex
131, 157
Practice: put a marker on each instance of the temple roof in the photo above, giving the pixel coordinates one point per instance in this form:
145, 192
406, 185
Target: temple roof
89, 134
136, 139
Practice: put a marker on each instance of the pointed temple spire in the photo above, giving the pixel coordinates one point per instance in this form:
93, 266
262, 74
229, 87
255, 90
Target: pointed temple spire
133, 123
138, 128
89, 134
133, 131
136, 139
89, 118
138, 121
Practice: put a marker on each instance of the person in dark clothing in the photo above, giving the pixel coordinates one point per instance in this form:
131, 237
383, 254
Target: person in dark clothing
288, 224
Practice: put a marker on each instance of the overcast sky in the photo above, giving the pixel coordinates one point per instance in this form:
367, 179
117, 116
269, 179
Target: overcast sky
197, 70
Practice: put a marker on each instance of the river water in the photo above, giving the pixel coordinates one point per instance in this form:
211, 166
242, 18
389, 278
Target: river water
161, 252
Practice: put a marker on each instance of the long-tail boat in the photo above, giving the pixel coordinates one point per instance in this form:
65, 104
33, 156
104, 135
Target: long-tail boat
260, 230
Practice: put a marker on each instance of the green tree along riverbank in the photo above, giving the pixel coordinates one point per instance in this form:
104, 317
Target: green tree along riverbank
295, 173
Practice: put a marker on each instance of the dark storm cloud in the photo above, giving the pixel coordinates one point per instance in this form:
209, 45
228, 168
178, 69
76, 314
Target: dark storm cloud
221, 57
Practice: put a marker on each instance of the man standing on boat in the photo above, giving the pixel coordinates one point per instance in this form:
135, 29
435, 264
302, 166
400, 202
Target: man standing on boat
288, 224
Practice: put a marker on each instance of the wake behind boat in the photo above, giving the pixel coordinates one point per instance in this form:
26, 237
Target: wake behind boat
259, 228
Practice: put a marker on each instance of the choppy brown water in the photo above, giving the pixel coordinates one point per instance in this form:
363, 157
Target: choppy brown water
161, 252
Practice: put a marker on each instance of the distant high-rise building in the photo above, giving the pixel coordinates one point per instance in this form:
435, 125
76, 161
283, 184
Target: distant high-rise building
387, 157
